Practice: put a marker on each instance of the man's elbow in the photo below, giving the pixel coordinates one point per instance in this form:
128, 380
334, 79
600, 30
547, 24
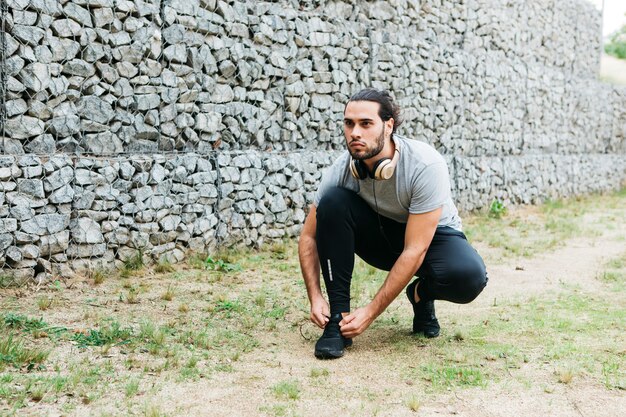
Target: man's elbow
415, 255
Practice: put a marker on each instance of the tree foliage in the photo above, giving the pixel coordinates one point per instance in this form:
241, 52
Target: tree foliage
617, 44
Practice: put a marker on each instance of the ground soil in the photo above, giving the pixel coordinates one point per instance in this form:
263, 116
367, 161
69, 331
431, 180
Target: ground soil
371, 378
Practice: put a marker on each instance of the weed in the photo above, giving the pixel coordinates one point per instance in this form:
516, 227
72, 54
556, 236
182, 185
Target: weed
152, 410
497, 209
17, 321
318, 372
133, 263
132, 297
164, 266
8, 280
44, 303
413, 403
183, 308
132, 387
289, 390
168, 295
454, 375
112, 334
13, 352
221, 265
565, 376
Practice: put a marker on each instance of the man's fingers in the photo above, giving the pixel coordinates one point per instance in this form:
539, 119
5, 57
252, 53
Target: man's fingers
347, 319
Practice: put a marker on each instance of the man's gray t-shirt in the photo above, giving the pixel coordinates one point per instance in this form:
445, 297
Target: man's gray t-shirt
420, 184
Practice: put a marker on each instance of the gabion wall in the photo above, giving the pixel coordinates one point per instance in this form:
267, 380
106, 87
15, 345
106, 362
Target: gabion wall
165, 126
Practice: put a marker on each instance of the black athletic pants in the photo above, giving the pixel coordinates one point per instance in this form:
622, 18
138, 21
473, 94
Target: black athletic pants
346, 225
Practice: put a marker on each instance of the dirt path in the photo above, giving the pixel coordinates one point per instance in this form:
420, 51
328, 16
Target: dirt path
613, 69
370, 379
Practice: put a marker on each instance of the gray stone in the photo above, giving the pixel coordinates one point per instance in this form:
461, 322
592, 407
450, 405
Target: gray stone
66, 28
65, 125
42, 144
102, 143
13, 254
87, 177
58, 178
20, 213
15, 107
147, 101
208, 122
30, 251
86, 251
8, 225
31, 187
28, 34
79, 67
103, 16
277, 204
96, 109
23, 127
54, 243
86, 230
78, 13
46, 224
65, 194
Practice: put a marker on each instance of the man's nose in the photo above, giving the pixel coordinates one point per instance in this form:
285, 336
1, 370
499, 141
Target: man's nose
356, 132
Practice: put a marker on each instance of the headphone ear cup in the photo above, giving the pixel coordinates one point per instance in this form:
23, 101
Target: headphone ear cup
358, 170
385, 172
381, 169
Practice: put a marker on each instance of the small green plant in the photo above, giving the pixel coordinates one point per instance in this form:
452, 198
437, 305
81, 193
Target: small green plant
133, 263
413, 403
97, 275
318, 372
221, 265
44, 303
497, 209
163, 267
13, 352
112, 334
289, 390
168, 295
132, 388
8, 281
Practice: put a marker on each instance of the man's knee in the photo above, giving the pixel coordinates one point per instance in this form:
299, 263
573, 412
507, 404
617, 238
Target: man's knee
335, 204
470, 281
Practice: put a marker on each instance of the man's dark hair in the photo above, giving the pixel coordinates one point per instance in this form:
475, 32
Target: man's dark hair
388, 107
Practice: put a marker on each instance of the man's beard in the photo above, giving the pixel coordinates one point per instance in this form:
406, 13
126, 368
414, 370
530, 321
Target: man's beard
372, 152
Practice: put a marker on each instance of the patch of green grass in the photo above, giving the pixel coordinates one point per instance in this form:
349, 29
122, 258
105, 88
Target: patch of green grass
14, 352
21, 322
524, 235
132, 264
288, 390
163, 267
318, 372
111, 334
221, 265
450, 376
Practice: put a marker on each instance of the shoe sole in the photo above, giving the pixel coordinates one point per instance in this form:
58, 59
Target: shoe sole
328, 355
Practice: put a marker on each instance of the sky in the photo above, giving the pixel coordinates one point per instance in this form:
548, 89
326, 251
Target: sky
614, 15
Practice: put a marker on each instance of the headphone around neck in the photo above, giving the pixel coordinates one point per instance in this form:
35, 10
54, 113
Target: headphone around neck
383, 169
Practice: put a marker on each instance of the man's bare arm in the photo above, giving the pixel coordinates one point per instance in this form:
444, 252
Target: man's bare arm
310, 266
420, 230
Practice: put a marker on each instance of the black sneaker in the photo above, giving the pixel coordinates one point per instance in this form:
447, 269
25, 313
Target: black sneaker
332, 343
424, 319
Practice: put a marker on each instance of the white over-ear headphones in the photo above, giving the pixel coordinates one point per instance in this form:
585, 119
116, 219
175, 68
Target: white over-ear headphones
382, 170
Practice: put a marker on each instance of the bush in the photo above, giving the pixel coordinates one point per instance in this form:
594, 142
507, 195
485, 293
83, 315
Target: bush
617, 44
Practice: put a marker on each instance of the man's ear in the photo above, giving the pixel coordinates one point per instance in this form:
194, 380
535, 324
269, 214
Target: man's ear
389, 124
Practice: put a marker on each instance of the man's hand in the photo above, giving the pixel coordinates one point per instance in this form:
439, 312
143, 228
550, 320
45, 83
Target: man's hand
320, 312
356, 322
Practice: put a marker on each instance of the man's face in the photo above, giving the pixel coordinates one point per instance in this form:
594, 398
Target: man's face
365, 131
